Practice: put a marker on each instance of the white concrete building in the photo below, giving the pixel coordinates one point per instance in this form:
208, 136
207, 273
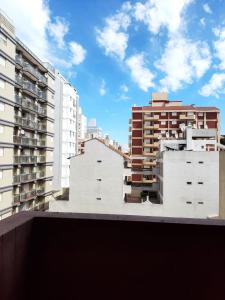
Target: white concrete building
189, 183
66, 122
97, 180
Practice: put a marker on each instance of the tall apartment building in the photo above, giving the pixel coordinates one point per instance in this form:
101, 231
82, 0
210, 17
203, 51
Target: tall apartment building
163, 119
66, 130
82, 129
26, 126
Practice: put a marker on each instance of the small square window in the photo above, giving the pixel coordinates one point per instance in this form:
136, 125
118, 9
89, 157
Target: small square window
98, 198
189, 182
200, 202
163, 123
174, 113
99, 179
200, 182
99, 161
188, 162
189, 202
201, 162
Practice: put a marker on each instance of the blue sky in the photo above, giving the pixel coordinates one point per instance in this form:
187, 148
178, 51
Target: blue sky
116, 53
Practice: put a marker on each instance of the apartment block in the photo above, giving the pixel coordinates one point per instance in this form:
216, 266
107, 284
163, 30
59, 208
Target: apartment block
26, 126
163, 119
66, 130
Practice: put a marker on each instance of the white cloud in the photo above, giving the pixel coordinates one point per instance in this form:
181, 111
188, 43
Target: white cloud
202, 22
139, 72
182, 62
161, 13
78, 53
58, 30
124, 88
31, 19
219, 45
113, 37
207, 8
102, 90
215, 86
42, 34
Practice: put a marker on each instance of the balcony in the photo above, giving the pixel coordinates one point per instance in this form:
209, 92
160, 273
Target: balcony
41, 175
30, 88
28, 177
19, 80
16, 199
19, 61
42, 111
41, 143
30, 71
30, 124
29, 105
187, 117
151, 118
18, 120
42, 127
42, 95
41, 159
26, 196
25, 159
42, 79
18, 99
87, 256
40, 191
25, 141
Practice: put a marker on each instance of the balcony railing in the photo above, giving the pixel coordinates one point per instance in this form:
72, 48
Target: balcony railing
187, 117
27, 67
42, 78
28, 195
42, 95
42, 127
18, 99
28, 177
41, 143
41, 174
42, 110
41, 159
40, 191
30, 87
29, 105
25, 159
24, 141
16, 198
19, 60
18, 120
19, 80
16, 179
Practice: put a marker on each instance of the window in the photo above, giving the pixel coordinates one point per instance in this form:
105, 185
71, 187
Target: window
99, 179
2, 61
188, 162
163, 114
174, 122
2, 84
1, 129
189, 182
200, 202
201, 162
189, 202
1, 151
200, 182
99, 161
98, 198
163, 123
174, 113
3, 38
200, 114
190, 113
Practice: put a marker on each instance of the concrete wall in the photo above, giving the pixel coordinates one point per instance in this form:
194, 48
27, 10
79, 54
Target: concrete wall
222, 184
183, 195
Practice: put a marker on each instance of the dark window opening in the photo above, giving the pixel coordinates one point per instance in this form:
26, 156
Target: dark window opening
189, 182
99, 161
189, 202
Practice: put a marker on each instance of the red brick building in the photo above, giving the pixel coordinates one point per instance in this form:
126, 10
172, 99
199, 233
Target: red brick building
162, 119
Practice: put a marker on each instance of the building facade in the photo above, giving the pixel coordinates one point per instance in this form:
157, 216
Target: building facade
26, 126
162, 119
66, 130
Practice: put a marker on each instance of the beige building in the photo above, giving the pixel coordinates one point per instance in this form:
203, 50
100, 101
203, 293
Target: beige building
26, 126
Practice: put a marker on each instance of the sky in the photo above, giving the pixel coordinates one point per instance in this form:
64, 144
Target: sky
116, 53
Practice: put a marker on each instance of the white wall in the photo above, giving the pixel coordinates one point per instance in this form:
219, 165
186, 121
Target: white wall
181, 167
